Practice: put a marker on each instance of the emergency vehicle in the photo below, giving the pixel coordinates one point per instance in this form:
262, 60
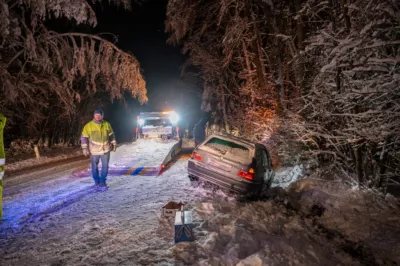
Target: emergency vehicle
157, 125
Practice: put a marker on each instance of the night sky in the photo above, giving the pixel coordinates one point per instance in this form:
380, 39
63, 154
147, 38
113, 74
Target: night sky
142, 31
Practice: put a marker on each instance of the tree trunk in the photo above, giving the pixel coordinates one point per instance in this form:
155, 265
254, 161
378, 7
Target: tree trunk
224, 113
287, 81
46, 142
54, 134
279, 85
257, 62
343, 3
299, 26
36, 150
338, 82
383, 160
359, 164
299, 65
248, 68
246, 57
332, 14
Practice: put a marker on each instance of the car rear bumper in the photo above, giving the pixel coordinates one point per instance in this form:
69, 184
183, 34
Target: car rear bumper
221, 180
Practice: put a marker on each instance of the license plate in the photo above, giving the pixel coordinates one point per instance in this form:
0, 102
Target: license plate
219, 165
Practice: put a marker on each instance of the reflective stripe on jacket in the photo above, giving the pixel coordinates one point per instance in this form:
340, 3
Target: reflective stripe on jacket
2, 153
97, 136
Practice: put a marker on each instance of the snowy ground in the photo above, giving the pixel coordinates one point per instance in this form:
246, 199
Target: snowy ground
65, 221
16, 161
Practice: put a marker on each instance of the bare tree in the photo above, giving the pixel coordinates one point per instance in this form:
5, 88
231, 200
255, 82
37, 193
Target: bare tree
43, 71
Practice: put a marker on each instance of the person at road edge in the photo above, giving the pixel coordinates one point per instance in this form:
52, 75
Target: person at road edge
97, 140
2, 161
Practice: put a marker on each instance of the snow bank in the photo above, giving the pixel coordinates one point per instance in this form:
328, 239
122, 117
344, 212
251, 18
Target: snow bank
63, 221
313, 222
260, 233
366, 218
24, 160
287, 175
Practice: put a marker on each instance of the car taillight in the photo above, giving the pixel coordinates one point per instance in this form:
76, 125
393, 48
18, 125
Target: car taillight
196, 156
247, 174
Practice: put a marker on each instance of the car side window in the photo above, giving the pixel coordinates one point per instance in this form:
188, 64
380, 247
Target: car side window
266, 159
259, 155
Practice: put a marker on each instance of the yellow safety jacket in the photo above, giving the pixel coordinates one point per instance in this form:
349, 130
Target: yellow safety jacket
97, 136
2, 161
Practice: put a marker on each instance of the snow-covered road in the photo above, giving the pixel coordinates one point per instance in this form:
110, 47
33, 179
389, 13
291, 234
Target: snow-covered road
63, 220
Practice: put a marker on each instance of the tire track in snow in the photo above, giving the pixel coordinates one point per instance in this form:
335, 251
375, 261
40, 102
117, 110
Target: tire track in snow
60, 204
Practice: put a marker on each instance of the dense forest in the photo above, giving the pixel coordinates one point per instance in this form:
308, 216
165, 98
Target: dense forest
312, 79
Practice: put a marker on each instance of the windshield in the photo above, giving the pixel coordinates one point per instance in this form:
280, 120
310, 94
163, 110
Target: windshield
228, 147
157, 122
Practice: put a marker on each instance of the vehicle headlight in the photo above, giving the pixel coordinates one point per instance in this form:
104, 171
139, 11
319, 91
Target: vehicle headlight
174, 118
141, 122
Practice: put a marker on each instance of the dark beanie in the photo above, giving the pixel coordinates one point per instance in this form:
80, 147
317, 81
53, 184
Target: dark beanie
99, 111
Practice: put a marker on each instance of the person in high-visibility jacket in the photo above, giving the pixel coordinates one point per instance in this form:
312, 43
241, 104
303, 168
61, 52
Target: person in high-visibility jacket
98, 140
2, 161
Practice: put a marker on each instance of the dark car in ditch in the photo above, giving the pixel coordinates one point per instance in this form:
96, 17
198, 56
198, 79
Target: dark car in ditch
232, 163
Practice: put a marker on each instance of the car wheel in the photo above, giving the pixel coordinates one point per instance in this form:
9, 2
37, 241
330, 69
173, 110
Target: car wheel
251, 196
194, 181
267, 184
193, 178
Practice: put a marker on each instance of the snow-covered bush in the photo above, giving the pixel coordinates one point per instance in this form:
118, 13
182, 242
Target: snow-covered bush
304, 75
351, 109
21, 146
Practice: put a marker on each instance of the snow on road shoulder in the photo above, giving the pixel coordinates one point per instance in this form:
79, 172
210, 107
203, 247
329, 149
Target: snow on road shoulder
15, 163
311, 222
366, 220
284, 176
121, 226
260, 233
315, 222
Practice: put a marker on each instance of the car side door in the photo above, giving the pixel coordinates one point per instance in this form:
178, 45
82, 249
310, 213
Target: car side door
267, 163
264, 163
259, 165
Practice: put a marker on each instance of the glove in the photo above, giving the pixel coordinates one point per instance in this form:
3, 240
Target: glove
113, 147
85, 152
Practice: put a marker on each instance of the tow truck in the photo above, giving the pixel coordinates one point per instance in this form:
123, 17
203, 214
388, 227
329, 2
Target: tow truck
157, 125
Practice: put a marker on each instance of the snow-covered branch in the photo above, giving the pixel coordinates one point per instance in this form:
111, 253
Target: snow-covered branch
58, 69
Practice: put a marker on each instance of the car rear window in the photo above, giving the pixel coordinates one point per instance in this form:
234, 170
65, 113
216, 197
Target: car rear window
224, 146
